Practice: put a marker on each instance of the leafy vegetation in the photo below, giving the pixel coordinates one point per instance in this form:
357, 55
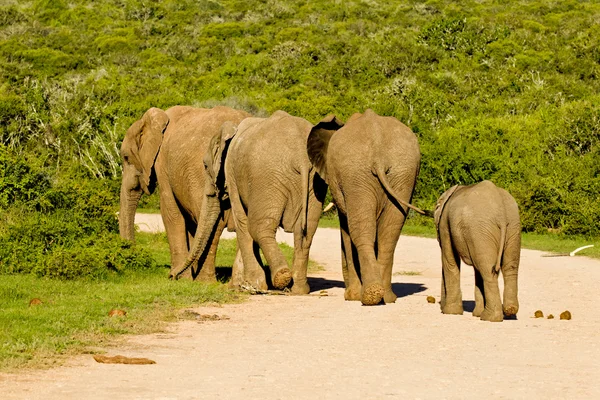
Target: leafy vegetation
496, 90
506, 91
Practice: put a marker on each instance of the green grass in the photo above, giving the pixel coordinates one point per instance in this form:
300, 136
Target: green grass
73, 317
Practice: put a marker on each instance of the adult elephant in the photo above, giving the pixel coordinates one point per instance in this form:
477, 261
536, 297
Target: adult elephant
371, 166
270, 183
163, 147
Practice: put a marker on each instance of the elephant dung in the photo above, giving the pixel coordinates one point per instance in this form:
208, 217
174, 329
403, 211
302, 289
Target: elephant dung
565, 315
117, 313
539, 314
550, 316
122, 360
431, 299
35, 302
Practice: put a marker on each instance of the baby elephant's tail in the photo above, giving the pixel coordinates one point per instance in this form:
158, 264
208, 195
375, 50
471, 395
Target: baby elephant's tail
501, 247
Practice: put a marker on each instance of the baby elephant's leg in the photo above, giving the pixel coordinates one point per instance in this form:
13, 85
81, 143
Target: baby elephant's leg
451, 299
492, 310
479, 302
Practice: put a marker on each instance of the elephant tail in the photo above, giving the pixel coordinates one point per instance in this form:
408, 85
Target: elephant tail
500, 248
382, 176
305, 179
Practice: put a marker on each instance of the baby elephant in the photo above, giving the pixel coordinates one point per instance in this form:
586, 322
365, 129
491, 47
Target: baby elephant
480, 225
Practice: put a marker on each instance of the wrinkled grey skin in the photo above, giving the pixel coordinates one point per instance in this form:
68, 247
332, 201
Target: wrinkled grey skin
162, 148
479, 224
270, 183
371, 166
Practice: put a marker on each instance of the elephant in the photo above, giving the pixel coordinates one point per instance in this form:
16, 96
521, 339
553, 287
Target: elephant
270, 183
163, 148
479, 224
371, 165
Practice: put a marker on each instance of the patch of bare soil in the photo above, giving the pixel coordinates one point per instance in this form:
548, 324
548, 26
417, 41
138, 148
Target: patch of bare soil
320, 346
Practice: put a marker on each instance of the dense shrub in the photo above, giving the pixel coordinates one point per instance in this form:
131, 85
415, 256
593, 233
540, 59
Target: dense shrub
494, 90
60, 229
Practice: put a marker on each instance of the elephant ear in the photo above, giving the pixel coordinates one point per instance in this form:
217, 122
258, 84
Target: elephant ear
215, 157
144, 138
318, 142
441, 203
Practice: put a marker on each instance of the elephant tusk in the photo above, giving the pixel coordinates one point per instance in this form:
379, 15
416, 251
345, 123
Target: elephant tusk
329, 207
571, 254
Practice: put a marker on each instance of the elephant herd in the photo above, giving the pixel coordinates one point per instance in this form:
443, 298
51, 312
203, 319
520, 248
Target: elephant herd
222, 168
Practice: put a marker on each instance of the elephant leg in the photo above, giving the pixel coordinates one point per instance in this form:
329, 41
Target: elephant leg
300, 263
175, 228
451, 298
263, 232
253, 274
264, 218
363, 233
389, 227
237, 271
207, 271
510, 270
349, 268
492, 310
302, 245
479, 302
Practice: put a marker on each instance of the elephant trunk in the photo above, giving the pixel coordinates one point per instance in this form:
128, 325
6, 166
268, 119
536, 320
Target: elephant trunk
128, 204
210, 215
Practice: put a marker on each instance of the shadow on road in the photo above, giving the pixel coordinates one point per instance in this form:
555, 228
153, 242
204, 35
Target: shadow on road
468, 305
317, 283
406, 289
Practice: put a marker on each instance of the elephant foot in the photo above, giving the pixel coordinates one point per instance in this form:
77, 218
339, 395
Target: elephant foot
352, 293
389, 297
300, 288
372, 294
478, 310
208, 277
492, 316
456, 309
282, 278
510, 310
256, 280
234, 285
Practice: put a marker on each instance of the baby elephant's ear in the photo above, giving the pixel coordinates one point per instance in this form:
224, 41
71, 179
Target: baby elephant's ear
318, 141
441, 203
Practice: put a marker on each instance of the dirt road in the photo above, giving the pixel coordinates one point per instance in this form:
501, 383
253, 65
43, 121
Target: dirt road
321, 347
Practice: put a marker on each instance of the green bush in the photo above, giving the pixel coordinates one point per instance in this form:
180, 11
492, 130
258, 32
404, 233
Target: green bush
506, 91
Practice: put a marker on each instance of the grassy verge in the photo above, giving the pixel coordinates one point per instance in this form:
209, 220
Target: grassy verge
554, 243
73, 316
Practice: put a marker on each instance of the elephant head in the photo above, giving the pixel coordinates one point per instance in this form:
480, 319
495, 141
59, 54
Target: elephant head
216, 197
138, 153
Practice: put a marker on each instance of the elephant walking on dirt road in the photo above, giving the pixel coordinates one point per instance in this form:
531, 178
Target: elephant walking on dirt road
479, 224
371, 166
166, 147
269, 182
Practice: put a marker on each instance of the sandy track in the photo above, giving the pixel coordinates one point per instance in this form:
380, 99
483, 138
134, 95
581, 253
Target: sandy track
299, 347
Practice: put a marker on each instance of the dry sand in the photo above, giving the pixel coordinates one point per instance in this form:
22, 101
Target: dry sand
322, 347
